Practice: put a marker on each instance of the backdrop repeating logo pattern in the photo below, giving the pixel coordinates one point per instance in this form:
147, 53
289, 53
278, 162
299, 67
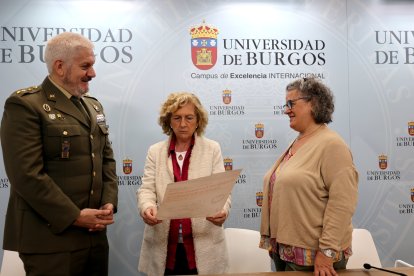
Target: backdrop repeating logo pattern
228, 164
227, 97
259, 130
127, 166
259, 199
382, 161
411, 128
412, 194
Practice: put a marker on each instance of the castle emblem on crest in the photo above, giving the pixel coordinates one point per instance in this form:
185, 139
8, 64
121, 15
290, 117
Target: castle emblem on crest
127, 166
259, 130
411, 128
204, 46
227, 96
382, 161
228, 164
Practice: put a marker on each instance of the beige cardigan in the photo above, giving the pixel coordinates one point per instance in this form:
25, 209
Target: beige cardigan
314, 196
209, 242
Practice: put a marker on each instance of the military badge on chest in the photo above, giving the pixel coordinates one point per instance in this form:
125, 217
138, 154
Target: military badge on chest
52, 116
100, 119
65, 145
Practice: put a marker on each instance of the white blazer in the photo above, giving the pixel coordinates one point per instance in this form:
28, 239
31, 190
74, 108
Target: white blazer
209, 241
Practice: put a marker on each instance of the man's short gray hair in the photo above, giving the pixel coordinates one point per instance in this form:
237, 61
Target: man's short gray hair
63, 46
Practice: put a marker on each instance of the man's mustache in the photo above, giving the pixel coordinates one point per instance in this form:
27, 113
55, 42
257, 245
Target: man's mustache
86, 79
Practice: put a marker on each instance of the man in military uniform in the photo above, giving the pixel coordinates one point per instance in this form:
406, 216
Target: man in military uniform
61, 168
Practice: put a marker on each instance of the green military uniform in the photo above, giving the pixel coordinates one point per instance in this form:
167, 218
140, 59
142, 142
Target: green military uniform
57, 163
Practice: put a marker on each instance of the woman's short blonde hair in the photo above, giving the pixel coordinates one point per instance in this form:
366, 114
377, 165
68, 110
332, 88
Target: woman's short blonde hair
174, 102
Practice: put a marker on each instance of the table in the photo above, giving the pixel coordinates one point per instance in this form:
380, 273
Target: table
409, 271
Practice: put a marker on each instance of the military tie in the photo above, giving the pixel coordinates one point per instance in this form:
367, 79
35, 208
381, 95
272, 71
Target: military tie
79, 105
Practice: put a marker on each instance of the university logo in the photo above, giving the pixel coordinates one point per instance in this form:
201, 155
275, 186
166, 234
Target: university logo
411, 128
412, 194
259, 130
204, 46
382, 162
227, 96
228, 164
127, 166
259, 199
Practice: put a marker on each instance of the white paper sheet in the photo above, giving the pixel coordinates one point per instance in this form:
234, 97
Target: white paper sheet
201, 197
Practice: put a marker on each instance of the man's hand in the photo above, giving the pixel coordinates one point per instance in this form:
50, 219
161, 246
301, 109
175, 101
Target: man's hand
219, 218
94, 220
110, 207
324, 265
149, 216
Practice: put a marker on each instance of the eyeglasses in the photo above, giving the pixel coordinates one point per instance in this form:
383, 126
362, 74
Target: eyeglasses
291, 103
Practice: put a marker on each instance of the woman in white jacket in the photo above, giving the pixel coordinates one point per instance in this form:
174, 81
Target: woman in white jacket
181, 246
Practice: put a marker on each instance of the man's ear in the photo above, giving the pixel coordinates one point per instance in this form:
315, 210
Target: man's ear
59, 68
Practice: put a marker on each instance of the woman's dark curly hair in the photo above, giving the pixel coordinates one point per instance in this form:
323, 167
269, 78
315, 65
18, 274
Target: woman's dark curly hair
319, 95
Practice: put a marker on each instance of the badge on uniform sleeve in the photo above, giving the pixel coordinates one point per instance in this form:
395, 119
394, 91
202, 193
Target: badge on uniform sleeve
96, 108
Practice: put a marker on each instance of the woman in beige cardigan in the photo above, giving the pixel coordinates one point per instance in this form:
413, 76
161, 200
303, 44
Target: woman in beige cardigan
181, 246
310, 193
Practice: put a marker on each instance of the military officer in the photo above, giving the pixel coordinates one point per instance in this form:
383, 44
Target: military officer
61, 168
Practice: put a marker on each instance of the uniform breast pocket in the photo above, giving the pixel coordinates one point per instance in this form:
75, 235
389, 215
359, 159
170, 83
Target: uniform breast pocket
59, 140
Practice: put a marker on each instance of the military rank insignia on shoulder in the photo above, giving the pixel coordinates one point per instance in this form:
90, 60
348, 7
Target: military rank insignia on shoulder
90, 97
29, 90
95, 106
